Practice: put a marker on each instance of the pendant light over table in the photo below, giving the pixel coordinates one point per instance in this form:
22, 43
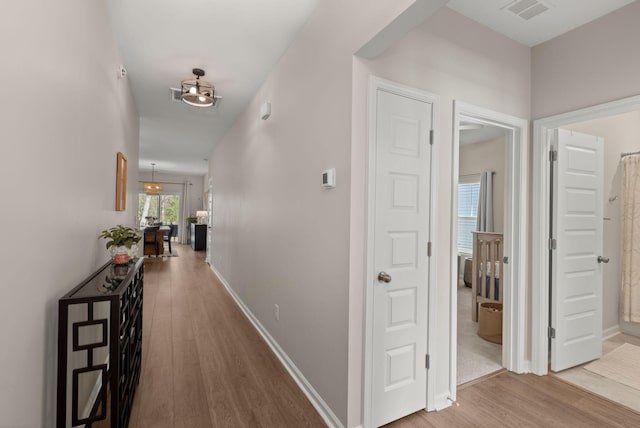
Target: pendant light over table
152, 187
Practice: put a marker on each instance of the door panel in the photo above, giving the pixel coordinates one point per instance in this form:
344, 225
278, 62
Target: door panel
403, 156
576, 295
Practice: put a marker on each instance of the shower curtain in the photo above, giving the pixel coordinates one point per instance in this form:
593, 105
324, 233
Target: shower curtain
631, 239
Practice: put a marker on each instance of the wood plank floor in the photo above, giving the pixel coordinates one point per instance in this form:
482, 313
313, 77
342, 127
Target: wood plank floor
523, 401
204, 365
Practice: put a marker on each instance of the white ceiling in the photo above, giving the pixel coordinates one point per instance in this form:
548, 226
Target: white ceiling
237, 42
560, 17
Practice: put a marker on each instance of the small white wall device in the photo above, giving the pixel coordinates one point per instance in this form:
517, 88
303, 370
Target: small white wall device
329, 178
265, 111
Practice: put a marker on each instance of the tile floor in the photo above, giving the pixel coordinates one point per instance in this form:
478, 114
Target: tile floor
603, 386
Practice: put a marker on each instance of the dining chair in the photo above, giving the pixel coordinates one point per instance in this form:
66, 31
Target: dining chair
151, 240
167, 236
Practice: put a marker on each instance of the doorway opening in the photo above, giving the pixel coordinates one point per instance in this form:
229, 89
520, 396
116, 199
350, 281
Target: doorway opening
481, 206
501, 272
543, 129
616, 124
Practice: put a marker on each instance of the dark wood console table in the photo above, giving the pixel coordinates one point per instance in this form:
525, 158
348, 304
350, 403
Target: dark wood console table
100, 347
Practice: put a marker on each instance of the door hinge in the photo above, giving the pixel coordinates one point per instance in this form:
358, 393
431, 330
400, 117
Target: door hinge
505, 260
429, 249
426, 361
551, 333
552, 244
553, 155
431, 137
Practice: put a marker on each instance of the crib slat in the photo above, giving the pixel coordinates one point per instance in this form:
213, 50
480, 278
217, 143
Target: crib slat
491, 270
474, 278
487, 270
500, 270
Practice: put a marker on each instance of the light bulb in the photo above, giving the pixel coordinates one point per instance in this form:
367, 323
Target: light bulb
202, 99
192, 90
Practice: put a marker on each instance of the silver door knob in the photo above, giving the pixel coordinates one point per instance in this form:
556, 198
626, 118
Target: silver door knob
603, 259
384, 277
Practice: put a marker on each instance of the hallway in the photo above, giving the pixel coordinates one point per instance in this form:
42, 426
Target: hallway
204, 365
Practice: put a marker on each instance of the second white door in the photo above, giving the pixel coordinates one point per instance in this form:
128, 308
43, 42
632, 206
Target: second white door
576, 283
401, 262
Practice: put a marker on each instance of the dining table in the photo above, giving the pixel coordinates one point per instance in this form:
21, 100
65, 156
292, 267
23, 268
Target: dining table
158, 249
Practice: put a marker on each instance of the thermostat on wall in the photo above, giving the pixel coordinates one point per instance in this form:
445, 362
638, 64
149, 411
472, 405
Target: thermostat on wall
329, 178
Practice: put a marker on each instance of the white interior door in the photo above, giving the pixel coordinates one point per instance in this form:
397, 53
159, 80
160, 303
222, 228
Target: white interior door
400, 277
209, 222
576, 284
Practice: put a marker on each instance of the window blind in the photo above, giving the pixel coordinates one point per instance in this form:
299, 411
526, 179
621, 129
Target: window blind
468, 192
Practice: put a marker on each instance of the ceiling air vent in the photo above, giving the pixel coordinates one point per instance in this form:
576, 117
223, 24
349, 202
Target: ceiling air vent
526, 9
176, 94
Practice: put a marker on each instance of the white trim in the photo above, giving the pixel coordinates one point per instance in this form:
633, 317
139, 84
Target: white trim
442, 401
316, 400
540, 230
608, 333
376, 83
209, 254
433, 401
513, 349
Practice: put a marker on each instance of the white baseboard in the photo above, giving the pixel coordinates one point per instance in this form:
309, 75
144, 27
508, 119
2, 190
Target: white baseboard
442, 401
610, 332
316, 400
526, 367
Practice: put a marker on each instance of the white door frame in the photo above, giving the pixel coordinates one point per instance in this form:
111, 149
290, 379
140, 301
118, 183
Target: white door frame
375, 84
209, 257
540, 231
514, 297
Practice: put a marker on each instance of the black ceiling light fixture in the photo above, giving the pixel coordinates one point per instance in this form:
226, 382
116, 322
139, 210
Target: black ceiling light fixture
198, 92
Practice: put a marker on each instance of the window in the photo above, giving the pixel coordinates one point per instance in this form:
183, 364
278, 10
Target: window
163, 208
468, 191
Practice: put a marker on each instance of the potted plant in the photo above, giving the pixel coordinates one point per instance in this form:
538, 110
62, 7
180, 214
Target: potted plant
121, 242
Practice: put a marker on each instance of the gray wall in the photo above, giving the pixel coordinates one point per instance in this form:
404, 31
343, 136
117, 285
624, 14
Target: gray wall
590, 65
487, 156
64, 116
279, 237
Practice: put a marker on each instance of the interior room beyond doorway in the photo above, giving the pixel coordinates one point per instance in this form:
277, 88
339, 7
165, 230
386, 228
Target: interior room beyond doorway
480, 207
